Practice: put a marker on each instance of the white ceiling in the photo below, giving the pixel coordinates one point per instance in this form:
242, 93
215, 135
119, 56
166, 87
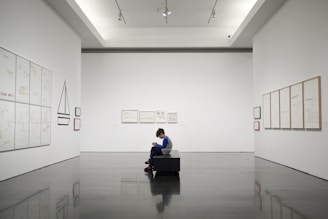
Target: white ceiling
190, 24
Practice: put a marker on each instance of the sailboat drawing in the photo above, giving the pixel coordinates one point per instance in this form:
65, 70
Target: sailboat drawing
63, 108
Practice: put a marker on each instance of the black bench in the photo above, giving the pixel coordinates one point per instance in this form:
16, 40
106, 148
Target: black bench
167, 162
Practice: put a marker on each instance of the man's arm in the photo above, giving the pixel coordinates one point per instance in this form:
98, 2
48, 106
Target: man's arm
165, 141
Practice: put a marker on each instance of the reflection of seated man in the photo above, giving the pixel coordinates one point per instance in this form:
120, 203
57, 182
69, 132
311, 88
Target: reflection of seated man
165, 186
158, 149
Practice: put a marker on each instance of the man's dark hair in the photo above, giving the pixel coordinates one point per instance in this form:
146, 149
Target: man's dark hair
160, 131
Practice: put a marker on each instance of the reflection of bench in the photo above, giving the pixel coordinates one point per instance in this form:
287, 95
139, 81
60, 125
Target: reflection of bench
167, 162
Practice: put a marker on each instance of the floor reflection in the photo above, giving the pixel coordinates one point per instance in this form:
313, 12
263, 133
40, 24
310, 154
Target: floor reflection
36, 205
284, 193
272, 206
51, 192
163, 186
113, 185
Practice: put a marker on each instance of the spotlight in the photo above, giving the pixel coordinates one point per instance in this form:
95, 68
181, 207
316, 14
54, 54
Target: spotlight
166, 12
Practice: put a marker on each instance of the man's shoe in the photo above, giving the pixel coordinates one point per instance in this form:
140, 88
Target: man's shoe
148, 169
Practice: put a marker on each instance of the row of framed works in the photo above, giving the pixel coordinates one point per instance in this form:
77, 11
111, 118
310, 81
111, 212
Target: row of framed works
158, 116
25, 103
294, 107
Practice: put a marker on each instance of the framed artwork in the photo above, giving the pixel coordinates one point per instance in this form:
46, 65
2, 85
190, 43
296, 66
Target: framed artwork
7, 127
147, 116
46, 89
77, 111
275, 110
7, 75
296, 107
312, 103
267, 110
284, 103
77, 124
257, 112
23, 80
35, 84
256, 125
160, 116
129, 116
172, 117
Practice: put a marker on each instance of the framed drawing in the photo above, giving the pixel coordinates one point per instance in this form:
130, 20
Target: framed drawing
296, 106
22, 80
35, 126
22, 126
45, 126
312, 103
77, 124
284, 103
7, 125
267, 110
160, 116
172, 117
256, 125
77, 111
129, 116
275, 110
7, 74
146, 116
257, 112
46, 90
35, 84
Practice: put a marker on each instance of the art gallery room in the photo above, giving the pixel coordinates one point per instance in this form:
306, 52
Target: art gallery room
163, 109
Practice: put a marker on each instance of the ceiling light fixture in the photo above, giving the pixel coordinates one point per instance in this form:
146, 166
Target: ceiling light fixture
120, 14
166, 12
212, 15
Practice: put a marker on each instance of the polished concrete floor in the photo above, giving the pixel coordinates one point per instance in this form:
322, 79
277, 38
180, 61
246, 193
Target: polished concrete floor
210, 185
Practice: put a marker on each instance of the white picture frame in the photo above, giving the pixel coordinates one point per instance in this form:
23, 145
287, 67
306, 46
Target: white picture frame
77, 111
172, 117
146, 116
77, 124
129, 116
7, 74
267, 111
275, 110
284, 108
296, 106
312, 103
257, 112
161, 116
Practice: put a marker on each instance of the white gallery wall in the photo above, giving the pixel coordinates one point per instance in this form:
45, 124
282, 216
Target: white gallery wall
33, 31
211, 92
290, 48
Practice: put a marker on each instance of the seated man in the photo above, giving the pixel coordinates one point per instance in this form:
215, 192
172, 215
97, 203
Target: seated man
158, 149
